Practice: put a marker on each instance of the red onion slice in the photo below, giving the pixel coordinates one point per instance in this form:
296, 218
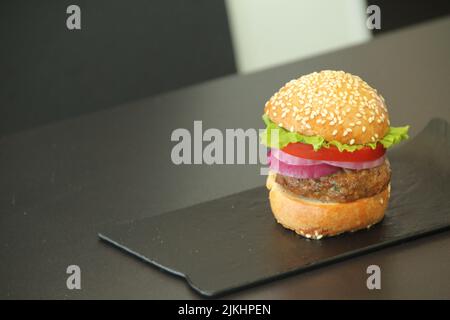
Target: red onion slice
297, 161
301, 172
358, 165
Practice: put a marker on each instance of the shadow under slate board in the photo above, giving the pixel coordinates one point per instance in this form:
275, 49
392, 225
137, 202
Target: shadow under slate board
234, 242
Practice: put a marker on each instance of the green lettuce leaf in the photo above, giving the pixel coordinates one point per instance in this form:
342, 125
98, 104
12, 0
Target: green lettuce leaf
394, 136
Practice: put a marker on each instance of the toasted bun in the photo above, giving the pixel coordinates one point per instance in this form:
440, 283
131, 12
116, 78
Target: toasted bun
332, 104
314, 219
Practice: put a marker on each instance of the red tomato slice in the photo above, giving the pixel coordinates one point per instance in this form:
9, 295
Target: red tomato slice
332, 153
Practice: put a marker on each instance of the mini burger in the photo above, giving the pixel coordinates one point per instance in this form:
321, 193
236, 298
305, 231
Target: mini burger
328, 133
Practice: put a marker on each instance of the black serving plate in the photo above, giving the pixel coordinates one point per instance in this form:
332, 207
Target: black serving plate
234, 242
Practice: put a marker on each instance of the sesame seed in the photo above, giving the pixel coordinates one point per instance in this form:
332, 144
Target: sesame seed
334, 132
363, 129
334, 94
352, 141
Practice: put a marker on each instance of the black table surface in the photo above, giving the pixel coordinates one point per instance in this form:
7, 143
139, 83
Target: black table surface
61, 182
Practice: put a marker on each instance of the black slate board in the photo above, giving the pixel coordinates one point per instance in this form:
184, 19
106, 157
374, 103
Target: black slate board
234, 242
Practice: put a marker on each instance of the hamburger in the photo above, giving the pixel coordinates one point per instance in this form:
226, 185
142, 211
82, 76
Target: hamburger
328, 133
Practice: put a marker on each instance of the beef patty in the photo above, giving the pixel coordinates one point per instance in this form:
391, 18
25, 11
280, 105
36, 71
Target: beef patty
343, 186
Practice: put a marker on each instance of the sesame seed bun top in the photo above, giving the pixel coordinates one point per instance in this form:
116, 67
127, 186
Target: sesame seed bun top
332, 104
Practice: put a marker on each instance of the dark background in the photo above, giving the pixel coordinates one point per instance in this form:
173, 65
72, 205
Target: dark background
402, 13
126, 50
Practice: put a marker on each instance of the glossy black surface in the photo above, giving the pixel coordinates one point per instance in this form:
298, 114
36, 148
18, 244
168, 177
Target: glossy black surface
61, 183
233, 242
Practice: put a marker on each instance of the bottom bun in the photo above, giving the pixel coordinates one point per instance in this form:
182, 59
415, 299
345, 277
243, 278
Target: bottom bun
314, 219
